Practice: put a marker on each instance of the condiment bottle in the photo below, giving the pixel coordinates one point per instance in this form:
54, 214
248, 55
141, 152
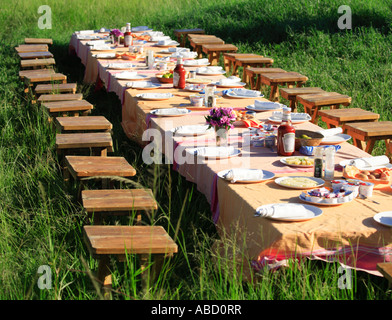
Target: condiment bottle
286, 135
179, 75
128, 40
329, 170
318, 163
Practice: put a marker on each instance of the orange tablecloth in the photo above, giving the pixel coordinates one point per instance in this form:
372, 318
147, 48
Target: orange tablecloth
346, 233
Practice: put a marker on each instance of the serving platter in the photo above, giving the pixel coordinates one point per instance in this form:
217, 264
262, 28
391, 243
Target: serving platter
281, 182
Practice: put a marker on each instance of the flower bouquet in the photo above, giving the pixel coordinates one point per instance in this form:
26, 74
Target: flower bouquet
116, 34
222, 120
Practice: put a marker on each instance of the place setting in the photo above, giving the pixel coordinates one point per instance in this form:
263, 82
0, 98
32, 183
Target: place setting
241, 93
120, 66
156, 96
262, 106
296, 118
229, 82
130, 75
192, 130
243, 175
210, 71
143, 85
288, 212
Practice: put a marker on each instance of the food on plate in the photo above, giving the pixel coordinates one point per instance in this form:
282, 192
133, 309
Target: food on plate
327, 196
299, 182
300, 161
167, 75
377, 176
242, 115
304, 136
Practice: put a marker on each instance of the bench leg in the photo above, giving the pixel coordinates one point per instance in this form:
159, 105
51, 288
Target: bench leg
274, 95
104, 276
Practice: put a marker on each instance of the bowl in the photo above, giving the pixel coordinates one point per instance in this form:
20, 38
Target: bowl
314, 138
164, 80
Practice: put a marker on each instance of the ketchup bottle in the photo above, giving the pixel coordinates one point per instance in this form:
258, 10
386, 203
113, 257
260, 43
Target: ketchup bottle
128, 41
179, 75
286, 135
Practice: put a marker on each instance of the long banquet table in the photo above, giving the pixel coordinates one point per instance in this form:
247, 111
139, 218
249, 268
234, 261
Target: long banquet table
346, 233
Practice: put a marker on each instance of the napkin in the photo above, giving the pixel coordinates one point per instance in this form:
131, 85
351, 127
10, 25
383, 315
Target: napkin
170, 111
196, 62
143, 84
239, 174
214, 151
178, 49
119, 65
101, 47
245, 92
160, 38
191, 129
283, 211
153, 33
209, 69
95, 42
140, 28
86, 31
294, 115
152, 95
267, 105
331, 132
126, 74
229, 80
165, 42
370, 162
184, 54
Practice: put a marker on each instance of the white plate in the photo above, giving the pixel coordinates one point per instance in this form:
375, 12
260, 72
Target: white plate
336, 139
294, 119
258, 109
232, 95
235, 153
120, 66
154, 96
283, 160
310, 212
384, 218
231, 85
324, 203
134, 78
154, 112
144, 87
199, 130
279, 181
266, 176
215, 73
368, 168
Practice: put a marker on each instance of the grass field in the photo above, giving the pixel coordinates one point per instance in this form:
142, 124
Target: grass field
41, 223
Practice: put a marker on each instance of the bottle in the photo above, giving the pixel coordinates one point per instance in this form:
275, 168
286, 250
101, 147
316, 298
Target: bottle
179, 75
329, 170
318, 163
209, 94
286, 135
128, 41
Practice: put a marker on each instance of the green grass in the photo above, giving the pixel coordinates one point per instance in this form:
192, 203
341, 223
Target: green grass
41, 223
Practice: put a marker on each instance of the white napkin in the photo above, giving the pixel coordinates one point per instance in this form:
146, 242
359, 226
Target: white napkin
95, 42
86, 31
160, 38
239, 174
189, 129
178, 49
267, 105
165, 42
101, 47
119, 65
214, 151
370, 162
282, 210
170, 111
140, 28
331, 132
143, 84
196, 62
185, 55
105, 55
245, 92
153, 33
213, 69
229, 80
294, 115
153, 95
126, 74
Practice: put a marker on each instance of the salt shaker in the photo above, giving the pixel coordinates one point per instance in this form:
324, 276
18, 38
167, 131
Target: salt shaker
329, 169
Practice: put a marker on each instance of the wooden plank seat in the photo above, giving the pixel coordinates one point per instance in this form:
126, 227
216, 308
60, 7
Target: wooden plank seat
24, 73
275, 79
35, 55
253, 78
33, 79
197, 43
62, 108
101, 203
365, 134
54, 88
46, 41
149, 242
249, 62
182, 34
314, 102
22, 48
60, 97
385, 268
83, 124
291, 94
338, 117
213, 51
37, 63
229, 59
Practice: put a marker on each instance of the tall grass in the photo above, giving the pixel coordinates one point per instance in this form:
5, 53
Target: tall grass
40, 220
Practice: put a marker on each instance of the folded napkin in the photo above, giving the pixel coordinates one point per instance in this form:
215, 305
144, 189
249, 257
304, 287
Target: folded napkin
189, 129
185, 55
86, 31
165, 42
294, 115
105, 55
282, 211
209, 69
196, 62
245, 92
153, 33
240, 174
126, 74
119, 65
229, 80
160, 38
170, 111
266, 105
143, 84
331, 132
178, 49
370, 162
96, 42
152, 95
214, 151
140, 28
101, 47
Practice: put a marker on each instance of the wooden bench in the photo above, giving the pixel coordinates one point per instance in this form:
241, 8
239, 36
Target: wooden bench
314, 102
252, 75
229, 59
291, 94
83, 124
213, 51
60, 97
31, 48
365, 134
119, 241
182, 34
44, 77
38, 41
338, 117
275, 79
24, 73
101, 203
385, 268
249, 62
37, 63
35, 55
62, 108
54, 88
197, 43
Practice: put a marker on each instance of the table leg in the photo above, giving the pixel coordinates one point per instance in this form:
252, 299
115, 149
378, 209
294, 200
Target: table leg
370, 145
104, 276
274, 95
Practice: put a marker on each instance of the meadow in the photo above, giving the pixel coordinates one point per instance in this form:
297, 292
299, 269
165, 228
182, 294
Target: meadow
40, 221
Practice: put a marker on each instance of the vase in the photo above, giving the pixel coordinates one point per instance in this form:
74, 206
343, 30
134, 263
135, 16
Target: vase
221, 136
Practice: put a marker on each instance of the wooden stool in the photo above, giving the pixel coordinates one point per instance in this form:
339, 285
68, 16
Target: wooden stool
254, 62
313, 102
182, 34
197, 43
101, 203
213, 51
292, 93
83, 124
37, 63
35, 55
274, 79
24, 73
229, 59
338, 117
34, 79
365, 134
38, 41
103, 241
55, 88
60, 97
254, 79
31, 48
64, 107
385, 268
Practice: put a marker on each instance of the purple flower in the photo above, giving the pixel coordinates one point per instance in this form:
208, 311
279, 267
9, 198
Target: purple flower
221, 118
116, 32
